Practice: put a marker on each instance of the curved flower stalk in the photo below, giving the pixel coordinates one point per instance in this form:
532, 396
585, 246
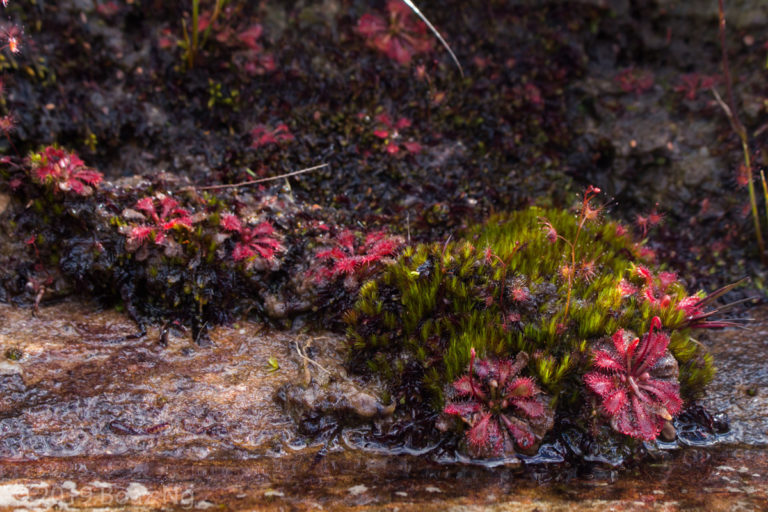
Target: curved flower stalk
501, 409
637, 382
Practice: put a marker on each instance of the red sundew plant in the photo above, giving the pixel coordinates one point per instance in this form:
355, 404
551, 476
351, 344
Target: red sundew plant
65, 171
167, 218
254, 241
389, 132
264, 135
656, 289
400, 36
696, 314
691, 83
10, 35
637, 382
349, 256
254, 60
657, 292
497, 405
651, 220
635, 80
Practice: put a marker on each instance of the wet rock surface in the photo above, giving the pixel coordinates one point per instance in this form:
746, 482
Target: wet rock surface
696, 480
75, 391
88, 422
740, 387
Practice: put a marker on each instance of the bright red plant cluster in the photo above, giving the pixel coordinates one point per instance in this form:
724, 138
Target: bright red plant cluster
636, 380
497, 405
160, 216
65, 171
164, 216
349, 256
656, 290
400, 36
254, 241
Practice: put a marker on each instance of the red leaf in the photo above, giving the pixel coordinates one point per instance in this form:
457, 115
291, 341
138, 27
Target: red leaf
168, 207
601, 384
346, 265
139, 233
478, 435
384, 119
521, 387
648, 425
519, 431
241, 252
250, 36
463, 386
531, 408
230, 222
653, 347
263, 229
402, 123
606, 361
666, 393
370, 25
462, 409
412, 147
614, 401
330, 254
88, 176
147, 205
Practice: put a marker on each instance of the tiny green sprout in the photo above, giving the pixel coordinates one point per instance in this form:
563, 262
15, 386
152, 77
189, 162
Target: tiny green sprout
273, 364
13, 354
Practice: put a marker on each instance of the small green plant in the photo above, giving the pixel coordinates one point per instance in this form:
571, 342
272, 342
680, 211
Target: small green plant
216, 96
13, 354
273, 364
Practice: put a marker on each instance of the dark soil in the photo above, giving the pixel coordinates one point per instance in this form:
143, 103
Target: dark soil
550, 103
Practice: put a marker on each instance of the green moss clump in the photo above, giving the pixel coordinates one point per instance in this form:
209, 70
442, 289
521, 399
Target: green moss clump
504, 289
